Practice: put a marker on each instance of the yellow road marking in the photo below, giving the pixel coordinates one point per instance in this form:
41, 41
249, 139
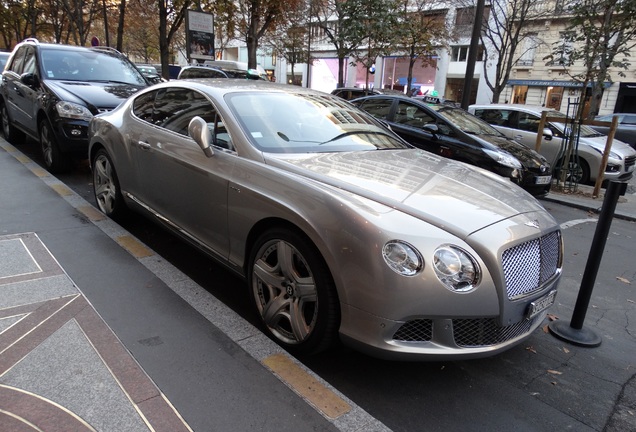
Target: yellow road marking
91, 212
318, 395
133, 246
62, 189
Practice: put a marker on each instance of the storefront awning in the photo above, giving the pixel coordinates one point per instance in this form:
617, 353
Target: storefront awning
548, 83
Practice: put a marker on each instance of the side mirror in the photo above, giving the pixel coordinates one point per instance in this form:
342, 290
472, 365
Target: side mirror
198, 130
432, 128
30, 80
547, 134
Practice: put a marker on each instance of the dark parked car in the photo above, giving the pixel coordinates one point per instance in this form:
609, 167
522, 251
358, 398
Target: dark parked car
150, 72
188, 72
50, 92
626, 129
339, 227
350, 93
454, 133
4, 56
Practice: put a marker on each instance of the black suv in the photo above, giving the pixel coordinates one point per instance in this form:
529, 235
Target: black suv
50, 92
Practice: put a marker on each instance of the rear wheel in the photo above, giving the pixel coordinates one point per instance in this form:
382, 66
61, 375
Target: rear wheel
293, 292
54, 160
106, 186
11, 133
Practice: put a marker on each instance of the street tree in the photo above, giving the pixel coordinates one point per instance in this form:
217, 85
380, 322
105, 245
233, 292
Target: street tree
290, 41
81, 15
18, 20
252, 19
171, 18
379, 22
509, 38
600, 36
343, 26
420, 31
141, 36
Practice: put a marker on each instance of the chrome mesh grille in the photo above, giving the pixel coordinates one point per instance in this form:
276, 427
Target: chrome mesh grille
420, 330
485, 331
529, 265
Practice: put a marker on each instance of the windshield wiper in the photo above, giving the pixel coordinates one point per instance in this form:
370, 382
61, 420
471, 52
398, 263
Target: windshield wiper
344, 134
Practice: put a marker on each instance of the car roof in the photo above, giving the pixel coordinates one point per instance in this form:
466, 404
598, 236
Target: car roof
517, 107
220, 86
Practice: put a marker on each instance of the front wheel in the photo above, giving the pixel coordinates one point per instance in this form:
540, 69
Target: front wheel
106, 186
293, 292
54, 160
578, 173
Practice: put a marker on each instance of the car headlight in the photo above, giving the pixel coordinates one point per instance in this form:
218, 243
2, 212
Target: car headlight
611, 153
504, 158
73, 110
455, 268
402, 258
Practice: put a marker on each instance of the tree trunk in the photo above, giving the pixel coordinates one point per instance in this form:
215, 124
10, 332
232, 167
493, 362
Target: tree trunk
341, 64
164, 49
120, 26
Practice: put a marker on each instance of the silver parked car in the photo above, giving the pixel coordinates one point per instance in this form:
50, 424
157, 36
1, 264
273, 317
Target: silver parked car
521, 122
626, 129
339, 227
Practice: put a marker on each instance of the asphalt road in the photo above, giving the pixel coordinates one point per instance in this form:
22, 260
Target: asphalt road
541, 385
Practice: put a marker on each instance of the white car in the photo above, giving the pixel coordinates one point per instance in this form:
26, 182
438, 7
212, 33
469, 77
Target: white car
521, 123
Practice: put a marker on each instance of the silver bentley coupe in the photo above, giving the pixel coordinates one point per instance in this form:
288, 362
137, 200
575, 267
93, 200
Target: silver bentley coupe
341, 230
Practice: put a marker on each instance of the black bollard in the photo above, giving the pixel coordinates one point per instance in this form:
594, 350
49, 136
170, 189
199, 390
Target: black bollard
574, 332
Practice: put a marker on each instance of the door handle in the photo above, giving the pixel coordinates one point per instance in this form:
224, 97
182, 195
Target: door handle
144, 145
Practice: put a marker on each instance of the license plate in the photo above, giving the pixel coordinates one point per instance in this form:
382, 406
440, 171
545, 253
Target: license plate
543, 180
539, 305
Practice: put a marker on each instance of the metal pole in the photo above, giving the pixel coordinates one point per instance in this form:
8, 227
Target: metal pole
575, 333
472, 53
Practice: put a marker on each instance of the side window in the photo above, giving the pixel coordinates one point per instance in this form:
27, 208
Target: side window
378, 108
29, 61
529, 122
143, 106
629, 120
411, 115
494, 116
18, 60
180, 106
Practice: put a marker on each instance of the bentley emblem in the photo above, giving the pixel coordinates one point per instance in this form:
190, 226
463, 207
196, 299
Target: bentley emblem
533, 224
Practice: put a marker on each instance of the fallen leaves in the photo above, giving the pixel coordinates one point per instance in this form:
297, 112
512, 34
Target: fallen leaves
554, 372
531, 349
622, 279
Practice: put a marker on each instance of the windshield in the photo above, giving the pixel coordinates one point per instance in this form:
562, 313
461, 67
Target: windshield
586, 131
308, 123
89, 65
465, 121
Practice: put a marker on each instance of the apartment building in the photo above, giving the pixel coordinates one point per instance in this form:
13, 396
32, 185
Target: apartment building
532, 81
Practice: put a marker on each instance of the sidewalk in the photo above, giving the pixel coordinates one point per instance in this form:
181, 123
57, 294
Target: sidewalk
581, 197
98, 333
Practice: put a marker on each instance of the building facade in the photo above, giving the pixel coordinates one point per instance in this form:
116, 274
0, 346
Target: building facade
532, 80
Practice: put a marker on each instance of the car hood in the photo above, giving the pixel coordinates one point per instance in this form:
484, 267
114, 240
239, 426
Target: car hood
528, 157
454, 196
100, 95
599, 143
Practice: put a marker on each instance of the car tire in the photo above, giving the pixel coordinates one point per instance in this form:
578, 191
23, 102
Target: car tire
54, 160
296, 299
580, 167
108, 196
10, 132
